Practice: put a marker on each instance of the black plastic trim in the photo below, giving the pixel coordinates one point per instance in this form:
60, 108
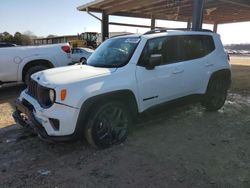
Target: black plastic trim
226, 73
149, 98
89, 103
9, 82
178, 29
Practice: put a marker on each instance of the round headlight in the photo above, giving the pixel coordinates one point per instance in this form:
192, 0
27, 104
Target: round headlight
52, 95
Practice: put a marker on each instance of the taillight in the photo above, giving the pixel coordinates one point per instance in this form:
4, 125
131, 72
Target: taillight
66, 49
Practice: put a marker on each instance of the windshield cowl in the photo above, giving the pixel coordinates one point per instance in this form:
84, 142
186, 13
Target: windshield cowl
104, 66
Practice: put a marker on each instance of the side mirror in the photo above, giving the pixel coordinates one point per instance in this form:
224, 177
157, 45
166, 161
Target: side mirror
154, 60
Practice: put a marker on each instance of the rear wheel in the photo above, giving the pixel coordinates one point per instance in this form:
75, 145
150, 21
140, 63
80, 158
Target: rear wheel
216, 94
31, 71
108, 124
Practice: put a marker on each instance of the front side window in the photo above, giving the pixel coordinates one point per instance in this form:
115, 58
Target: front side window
114, 52
166, 46
153, 46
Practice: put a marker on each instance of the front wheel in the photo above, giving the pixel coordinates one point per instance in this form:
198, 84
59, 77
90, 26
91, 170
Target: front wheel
108, 124
216, 94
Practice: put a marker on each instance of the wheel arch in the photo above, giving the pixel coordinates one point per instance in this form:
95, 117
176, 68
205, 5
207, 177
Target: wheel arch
36, 62
126, 96
223, 73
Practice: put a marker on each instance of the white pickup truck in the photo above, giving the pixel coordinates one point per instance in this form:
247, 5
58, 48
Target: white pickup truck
17, 64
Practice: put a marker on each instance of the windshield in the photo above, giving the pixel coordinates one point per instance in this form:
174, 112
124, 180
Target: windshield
92, 37
114, 52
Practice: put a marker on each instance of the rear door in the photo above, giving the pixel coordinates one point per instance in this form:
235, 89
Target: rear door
195, 50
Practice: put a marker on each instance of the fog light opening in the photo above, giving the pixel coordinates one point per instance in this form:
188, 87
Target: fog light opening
55, 124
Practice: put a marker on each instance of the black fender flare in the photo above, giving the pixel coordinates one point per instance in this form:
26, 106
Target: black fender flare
126, 96
224, 74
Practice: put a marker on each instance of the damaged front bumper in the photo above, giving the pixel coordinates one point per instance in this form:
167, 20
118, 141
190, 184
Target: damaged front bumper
40, 120
21, 108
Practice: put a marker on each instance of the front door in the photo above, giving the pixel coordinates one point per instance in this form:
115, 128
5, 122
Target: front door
164, 82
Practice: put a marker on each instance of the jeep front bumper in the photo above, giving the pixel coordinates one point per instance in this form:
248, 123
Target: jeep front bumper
41, 120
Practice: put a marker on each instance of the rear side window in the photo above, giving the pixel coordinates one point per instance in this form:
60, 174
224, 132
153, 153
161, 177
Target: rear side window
178, 48
195, 46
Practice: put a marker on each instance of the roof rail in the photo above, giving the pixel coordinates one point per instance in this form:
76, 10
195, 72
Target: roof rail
120, 35
167, 29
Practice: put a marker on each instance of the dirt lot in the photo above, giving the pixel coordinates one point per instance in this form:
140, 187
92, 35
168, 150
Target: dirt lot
181, 147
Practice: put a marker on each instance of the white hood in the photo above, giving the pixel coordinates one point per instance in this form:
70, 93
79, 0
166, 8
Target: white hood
69, 74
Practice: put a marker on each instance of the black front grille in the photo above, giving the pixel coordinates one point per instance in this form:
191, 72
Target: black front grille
40, 93
33, 89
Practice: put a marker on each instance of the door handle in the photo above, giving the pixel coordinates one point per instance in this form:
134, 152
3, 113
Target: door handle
178, 71
209, 64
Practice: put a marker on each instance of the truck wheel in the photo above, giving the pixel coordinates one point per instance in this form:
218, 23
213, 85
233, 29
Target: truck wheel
83, 60
108, 124
216, 94
31, 71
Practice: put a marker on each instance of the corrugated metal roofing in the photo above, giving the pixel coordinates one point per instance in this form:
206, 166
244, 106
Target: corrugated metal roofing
216, 11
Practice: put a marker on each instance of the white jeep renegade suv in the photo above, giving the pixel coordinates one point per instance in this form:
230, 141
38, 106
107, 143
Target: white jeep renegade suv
125, 76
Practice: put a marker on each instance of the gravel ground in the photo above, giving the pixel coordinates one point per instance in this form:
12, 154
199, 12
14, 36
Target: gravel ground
178, 147
7, 98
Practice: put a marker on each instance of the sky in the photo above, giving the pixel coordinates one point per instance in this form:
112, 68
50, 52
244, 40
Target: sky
60, 17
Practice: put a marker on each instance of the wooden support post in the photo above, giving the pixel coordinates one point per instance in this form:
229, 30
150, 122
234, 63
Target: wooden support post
105, 26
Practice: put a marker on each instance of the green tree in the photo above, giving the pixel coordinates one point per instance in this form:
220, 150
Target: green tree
6, 37
18, 38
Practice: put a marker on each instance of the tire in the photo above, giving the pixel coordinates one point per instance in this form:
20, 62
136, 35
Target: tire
83, 60
31, 71
108, 124
216, 94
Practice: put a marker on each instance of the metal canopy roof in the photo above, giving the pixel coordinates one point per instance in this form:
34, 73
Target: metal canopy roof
215, 11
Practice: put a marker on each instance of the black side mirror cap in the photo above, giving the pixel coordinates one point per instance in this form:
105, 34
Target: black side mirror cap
154, 60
